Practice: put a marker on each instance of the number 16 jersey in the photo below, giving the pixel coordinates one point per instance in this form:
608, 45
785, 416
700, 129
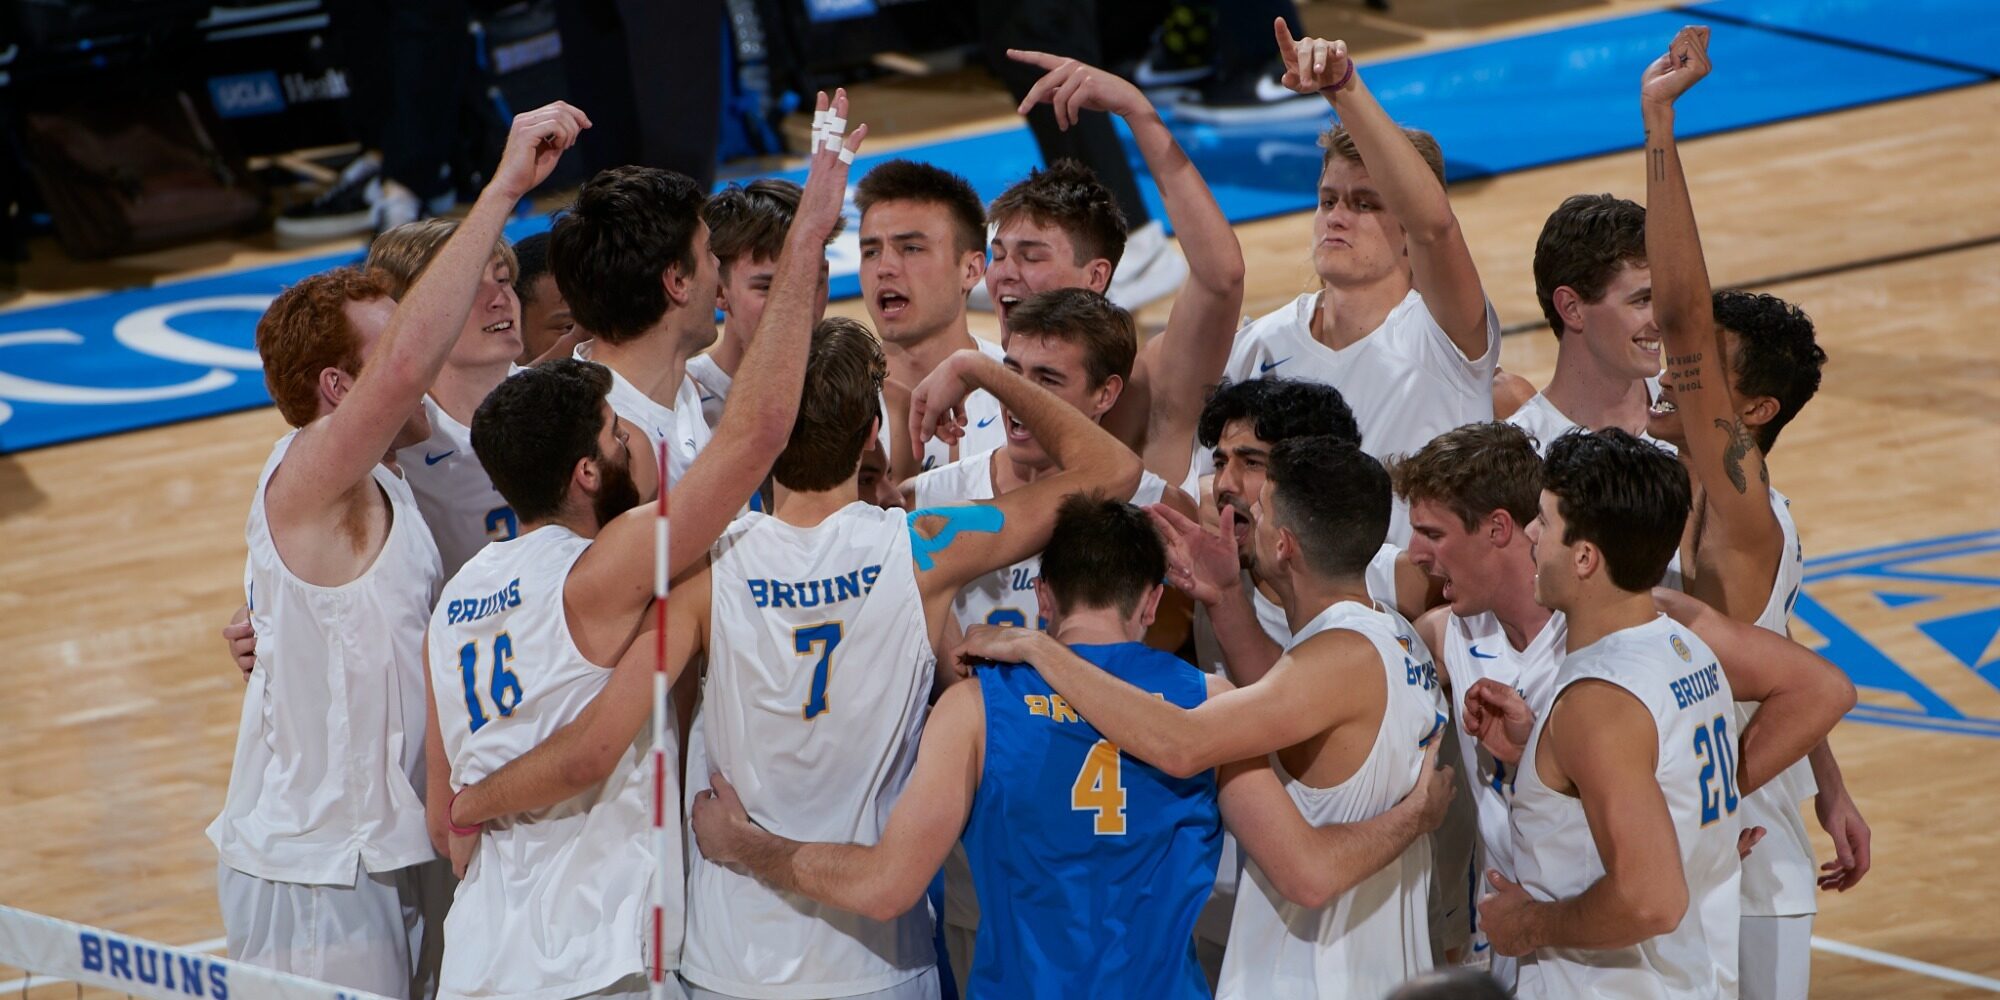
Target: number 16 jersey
819, 674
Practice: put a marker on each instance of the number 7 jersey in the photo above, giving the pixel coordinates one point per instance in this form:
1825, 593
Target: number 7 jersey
819, 673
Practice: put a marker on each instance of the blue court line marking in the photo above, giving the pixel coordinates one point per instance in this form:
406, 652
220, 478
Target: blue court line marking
1576, 83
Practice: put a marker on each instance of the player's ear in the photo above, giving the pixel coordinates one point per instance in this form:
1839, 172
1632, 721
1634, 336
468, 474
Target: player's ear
1500, 528
1586, 558
677, 283
333, 386
972, 267
1097, 275
1569, 306
1107, 396
1757, 411
1045, 603
1149, 604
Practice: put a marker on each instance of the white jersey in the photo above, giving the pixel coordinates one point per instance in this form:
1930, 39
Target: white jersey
1380, 577
1779, 879
459, 502
819, 671
1405, 381
1545, 423
1675, 675
556, 903
681, 425
713, 385
1004, 596
328, 773
1476, 649
1377, 934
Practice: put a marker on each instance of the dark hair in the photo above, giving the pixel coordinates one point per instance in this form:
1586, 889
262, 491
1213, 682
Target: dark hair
1473, 471
1776, 355
1069, 196
1334, 497
1278, 409
1583, 244
305, 331
534, 427
1625, 496
1102, 554
1080, 316
531, 256
1338, 143
1452, 984
608, 251
749, 221
844, 373
908, 180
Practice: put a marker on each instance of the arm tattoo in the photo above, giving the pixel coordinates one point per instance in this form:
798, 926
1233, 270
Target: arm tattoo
1732, 454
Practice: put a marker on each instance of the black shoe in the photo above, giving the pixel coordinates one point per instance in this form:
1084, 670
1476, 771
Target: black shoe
1182, 52
1249, 96
344, 209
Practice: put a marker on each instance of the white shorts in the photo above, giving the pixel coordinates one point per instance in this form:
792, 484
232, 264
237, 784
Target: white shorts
637, 987
358, 936
1774, 957
922, 987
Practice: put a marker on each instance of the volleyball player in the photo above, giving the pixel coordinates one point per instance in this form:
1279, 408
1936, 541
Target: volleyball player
1739, 368
1400, 324
323, 820
1597, 293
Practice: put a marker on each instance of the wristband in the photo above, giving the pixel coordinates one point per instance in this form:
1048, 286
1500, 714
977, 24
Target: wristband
1344, 78
452, 824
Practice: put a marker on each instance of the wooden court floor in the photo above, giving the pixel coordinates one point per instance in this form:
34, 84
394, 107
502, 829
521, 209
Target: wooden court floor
120, 558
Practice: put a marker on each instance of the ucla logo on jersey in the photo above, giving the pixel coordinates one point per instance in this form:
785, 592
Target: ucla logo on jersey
1680, 647
472, 609
813, 593
1906, 621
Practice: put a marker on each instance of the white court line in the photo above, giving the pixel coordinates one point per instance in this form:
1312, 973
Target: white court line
1899, 962
18, 985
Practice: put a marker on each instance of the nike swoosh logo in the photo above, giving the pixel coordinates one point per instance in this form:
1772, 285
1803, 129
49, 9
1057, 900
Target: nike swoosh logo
1483, 656
989, 420
430, 459
1482, 946
709, 399
1268, 365
1271, 91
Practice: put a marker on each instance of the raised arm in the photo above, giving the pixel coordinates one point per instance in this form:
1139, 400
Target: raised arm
580, 755
885, 879
615, 576
1175, 368
1722, 452
331, 455
958, 544
1604, 740
1313, 865
1802, 696
1440, 263
1311, 690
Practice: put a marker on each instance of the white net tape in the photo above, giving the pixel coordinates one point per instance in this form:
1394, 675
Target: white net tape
55, 949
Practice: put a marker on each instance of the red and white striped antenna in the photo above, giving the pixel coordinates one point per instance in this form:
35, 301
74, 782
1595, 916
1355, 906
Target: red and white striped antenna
666, 861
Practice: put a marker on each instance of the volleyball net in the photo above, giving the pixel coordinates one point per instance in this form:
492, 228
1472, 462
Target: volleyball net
58, 958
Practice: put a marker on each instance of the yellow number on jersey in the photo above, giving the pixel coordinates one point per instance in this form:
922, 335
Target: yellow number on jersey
1100, 788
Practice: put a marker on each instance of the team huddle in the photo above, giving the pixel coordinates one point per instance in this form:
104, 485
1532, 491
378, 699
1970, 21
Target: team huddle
1259, 662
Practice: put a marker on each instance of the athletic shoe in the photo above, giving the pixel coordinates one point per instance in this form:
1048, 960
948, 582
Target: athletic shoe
393, 205
1150, 270
1182, 51
1248, 98
343, 209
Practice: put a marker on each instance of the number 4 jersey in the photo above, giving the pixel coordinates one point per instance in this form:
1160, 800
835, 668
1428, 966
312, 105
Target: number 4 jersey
1091, 866
819, 673
555, 902
1675, 675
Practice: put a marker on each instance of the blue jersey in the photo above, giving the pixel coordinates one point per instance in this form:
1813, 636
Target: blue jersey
1090, 866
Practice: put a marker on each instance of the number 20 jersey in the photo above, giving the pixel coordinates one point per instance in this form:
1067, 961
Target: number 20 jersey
1675, 675
819, 673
